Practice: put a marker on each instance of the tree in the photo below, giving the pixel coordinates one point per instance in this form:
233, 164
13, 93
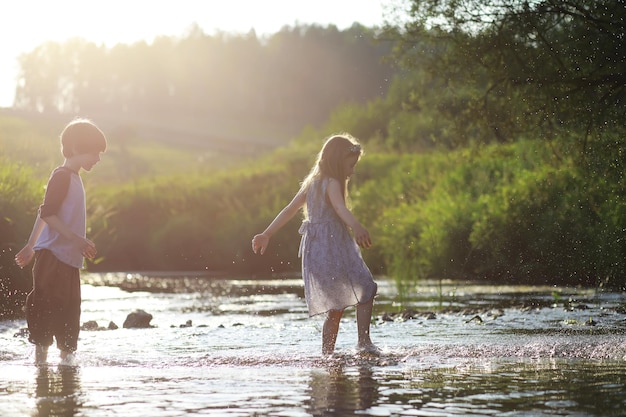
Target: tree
552, 67
233, 85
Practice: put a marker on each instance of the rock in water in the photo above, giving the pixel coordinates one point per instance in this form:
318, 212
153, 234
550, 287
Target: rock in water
89, 325
138, 319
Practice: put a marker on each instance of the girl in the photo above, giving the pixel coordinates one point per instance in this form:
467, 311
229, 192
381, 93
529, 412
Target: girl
335, 275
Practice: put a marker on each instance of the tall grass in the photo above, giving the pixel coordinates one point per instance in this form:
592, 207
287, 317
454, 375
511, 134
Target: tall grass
19, 197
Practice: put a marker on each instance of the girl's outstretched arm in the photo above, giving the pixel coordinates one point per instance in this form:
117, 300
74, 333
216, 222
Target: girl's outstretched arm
361, 235
260, 241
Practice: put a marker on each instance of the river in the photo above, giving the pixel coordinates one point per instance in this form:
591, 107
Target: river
245, 347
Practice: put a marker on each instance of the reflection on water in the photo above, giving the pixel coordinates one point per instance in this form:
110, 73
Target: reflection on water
339, 391
520, 388
251, 350
58, 391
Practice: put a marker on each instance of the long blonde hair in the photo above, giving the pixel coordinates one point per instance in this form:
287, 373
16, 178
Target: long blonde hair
330, 161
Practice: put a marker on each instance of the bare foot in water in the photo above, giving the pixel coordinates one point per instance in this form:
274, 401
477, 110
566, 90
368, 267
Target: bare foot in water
41, 355
369, 349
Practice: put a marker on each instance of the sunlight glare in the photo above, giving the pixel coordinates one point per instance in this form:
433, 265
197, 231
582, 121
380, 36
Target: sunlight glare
33, 22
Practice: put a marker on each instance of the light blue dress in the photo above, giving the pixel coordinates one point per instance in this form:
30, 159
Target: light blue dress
335, 275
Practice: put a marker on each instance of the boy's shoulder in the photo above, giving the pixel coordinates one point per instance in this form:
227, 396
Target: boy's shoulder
60, 176
62, 171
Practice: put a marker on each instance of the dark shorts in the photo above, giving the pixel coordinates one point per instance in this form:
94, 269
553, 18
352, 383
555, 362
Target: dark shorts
53, 306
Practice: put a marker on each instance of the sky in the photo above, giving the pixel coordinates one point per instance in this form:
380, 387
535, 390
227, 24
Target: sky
25, 24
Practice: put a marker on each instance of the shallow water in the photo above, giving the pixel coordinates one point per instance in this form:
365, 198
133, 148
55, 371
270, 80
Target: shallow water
250, 349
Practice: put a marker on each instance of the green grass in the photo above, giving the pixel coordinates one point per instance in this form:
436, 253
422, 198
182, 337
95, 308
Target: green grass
33, 141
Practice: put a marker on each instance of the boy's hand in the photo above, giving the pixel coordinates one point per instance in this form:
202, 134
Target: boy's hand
86, 246
24, 256
89, 249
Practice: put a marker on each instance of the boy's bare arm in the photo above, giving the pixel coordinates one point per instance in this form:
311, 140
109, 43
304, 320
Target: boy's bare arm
25, 255
87, 247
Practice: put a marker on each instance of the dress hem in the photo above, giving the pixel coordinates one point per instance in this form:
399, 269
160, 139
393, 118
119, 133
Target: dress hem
342, 309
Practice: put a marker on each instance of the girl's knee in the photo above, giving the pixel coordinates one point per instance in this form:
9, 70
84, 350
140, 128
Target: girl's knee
334, 315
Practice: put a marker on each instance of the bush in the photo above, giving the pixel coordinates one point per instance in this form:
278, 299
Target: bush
20, 195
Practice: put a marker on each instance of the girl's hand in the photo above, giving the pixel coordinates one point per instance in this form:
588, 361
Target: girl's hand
362, 236
24, 256
260, 242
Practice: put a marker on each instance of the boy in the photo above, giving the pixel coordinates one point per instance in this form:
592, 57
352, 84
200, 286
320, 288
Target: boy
59, 246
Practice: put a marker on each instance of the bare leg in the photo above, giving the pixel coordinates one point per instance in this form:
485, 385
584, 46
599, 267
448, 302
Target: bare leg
363, 319
41, 354
330, 330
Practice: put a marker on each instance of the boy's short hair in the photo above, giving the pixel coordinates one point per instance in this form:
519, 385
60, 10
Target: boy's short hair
82, 136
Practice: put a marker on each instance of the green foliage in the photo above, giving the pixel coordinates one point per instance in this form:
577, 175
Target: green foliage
367, 122
498, 212
206, 223
494, 155
524, 211
20, 195
505, 212
24, 142
547, 67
